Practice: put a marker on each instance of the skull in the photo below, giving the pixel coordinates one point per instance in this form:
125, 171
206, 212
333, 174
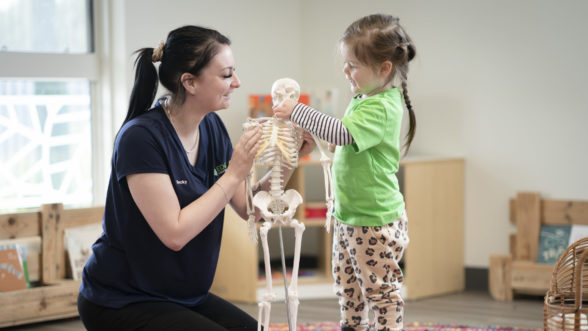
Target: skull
285, 88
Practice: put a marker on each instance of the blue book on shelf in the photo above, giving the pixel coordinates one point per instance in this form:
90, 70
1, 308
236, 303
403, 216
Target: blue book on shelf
553, 241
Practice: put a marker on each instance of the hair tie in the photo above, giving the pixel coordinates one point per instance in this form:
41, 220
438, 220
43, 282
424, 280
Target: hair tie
158, 52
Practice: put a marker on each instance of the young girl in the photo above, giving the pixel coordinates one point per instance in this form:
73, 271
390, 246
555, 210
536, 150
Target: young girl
370, 232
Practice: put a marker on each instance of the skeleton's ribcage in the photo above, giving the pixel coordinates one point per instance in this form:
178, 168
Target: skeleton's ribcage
280, 142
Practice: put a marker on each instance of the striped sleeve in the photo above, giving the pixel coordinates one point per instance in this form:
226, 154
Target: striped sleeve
327, 128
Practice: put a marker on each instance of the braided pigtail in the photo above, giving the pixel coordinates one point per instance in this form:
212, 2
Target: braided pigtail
411, 118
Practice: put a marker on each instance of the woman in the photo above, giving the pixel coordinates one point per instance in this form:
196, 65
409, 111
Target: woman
173, 172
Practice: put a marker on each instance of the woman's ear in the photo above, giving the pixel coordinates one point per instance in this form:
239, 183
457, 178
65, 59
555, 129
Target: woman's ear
386, 68
189, 82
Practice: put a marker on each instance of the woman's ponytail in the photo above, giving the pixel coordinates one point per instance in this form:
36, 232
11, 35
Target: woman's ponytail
145, 86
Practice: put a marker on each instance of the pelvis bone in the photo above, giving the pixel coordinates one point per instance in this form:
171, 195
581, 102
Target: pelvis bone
280, 208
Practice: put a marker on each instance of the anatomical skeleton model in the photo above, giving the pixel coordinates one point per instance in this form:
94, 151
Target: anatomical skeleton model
281, 141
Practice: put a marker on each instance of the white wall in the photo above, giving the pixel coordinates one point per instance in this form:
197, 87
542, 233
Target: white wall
260, 32
501, 83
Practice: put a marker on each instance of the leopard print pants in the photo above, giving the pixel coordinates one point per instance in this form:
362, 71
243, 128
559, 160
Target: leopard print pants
367, 275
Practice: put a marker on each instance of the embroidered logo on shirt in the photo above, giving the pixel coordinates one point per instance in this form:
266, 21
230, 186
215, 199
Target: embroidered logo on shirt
220, 169
181, 181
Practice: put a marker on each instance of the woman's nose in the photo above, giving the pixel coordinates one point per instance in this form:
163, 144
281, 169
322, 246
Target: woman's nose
236, 82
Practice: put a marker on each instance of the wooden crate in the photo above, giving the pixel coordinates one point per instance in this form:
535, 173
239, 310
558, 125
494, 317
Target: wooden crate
42, 232
518, 272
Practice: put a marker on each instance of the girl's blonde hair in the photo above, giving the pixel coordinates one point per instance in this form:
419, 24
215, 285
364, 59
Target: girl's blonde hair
377, 38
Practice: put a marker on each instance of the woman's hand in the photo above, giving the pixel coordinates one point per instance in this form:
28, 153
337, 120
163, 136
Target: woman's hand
307, 145
244, 153
284, 109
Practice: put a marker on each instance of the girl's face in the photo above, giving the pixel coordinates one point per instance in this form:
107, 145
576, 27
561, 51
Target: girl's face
363, 79
217, 81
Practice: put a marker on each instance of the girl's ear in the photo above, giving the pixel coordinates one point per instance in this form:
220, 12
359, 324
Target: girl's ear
386, 68
189, 82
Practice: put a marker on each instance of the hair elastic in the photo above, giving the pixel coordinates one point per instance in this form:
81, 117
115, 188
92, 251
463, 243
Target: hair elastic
158, 52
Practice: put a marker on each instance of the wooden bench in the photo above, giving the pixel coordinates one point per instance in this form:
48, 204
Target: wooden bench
518, 272
42, 233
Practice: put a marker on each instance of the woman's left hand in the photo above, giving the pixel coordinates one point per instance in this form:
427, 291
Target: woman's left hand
307, 145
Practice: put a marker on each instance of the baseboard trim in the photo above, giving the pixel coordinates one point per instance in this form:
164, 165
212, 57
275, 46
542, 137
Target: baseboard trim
476, 279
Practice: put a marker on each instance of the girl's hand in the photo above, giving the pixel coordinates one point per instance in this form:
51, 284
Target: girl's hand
244, 153
332, 148
284, 109
307, 145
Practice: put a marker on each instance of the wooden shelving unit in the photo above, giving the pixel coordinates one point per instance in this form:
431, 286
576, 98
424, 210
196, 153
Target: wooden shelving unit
433, 189
56, 295
519, 272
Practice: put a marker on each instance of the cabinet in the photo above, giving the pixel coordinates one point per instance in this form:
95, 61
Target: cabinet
433, 189
433, 263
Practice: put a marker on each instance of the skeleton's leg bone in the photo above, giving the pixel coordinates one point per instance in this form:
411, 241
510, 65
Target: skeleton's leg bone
261, 307
293, 301
266, 258
266, 304
284, 274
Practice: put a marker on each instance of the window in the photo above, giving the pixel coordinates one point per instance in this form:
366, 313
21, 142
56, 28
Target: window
46, 26
48, 84
45, 143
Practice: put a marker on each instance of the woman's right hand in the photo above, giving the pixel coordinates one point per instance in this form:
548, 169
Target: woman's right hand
244, 153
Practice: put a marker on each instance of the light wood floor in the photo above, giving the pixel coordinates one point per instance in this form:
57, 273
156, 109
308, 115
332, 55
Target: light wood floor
466, 308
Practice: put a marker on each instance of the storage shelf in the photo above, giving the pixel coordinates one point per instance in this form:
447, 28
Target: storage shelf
56, 295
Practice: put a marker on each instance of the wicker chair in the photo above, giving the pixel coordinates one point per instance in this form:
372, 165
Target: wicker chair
566, 302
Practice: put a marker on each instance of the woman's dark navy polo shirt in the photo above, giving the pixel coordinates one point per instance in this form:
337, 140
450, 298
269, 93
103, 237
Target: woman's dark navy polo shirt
129, 263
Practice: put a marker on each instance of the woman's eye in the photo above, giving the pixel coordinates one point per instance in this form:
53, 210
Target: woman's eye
230, 74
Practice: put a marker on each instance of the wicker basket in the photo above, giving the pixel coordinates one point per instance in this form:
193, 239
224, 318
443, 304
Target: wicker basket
566, 302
